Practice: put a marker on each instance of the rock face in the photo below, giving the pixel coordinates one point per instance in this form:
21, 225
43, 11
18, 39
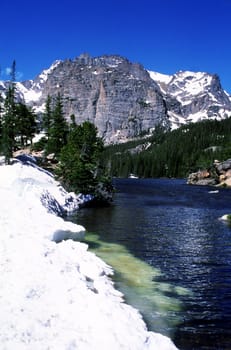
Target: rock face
218, 174
202, 177
224, 172
123, 99
118, 96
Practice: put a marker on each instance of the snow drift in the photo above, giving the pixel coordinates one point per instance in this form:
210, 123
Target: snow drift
57, 296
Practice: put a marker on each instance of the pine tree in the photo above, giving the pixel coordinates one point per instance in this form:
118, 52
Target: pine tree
58, 129
47, 116
25, 123
8, 126
79, 165
8, 119
1, 112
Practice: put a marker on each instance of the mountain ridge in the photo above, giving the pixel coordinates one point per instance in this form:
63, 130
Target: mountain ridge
197, 95
123, 99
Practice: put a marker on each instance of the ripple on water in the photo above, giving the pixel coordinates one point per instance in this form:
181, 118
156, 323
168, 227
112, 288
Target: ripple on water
141, 284
175, 228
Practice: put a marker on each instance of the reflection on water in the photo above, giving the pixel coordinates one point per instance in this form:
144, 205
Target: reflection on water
142, 286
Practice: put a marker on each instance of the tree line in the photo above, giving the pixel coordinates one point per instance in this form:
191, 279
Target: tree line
83, 163
173, 153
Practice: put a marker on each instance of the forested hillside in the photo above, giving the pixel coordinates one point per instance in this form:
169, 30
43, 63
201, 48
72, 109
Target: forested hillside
172, 153
168, 153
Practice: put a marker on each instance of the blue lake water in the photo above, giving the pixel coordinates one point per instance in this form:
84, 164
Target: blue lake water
174, 229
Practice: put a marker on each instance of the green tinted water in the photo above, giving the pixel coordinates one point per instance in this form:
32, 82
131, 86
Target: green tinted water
175, 228
158, 302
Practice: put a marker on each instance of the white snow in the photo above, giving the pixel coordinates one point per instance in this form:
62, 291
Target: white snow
203, 115
163, 78
43, 76
187, 84
30, 95
195, 82
186, 87
2, 84
40, 109
176, 120
196, 117
34, 93
57, 296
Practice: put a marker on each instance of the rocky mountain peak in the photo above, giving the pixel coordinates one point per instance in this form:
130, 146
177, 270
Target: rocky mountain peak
122, 98
118, 96
193, 96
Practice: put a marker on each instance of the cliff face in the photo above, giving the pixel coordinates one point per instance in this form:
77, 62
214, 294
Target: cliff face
123, 99
118, 96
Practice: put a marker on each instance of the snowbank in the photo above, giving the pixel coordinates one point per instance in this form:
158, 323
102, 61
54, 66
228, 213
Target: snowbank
57, 296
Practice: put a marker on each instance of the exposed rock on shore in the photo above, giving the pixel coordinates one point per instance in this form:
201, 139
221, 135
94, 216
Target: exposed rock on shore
218, 174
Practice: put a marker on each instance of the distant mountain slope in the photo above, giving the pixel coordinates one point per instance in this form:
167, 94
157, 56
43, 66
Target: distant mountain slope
193, 96
122, 98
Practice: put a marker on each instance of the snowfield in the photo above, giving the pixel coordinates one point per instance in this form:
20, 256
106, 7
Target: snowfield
57, 296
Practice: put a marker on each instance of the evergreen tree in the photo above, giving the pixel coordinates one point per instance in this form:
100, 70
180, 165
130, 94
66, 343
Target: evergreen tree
173, 153
47, 116
73, 124
13, 73
8, 118
8, 126
58, 129
79, 166
1, 112
25, 124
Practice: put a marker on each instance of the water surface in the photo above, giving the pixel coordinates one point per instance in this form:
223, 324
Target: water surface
172, 230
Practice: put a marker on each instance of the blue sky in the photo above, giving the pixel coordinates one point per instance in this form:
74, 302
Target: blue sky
163, 35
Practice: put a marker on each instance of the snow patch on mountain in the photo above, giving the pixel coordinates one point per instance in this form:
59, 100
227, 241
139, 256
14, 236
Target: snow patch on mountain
176, 120
184, 84
44, 75
163, 78
30, 95
193, 96
31, 91
121, 97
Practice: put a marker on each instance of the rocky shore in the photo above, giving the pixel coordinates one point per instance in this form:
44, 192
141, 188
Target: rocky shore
219, 174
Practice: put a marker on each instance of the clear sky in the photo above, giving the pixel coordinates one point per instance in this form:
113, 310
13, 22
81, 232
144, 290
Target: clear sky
163, 35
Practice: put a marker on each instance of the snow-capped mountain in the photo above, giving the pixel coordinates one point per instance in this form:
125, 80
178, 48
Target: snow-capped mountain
118, 96
193, 96
123, 99
31, 90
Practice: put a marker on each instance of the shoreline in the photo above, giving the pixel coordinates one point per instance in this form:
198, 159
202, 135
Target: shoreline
57, 295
